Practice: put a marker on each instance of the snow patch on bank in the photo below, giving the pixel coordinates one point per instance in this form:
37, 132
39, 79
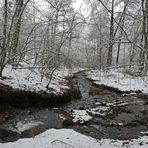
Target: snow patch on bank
117, 79
81, 116
67, 138
30, 79
101, 110
21, 127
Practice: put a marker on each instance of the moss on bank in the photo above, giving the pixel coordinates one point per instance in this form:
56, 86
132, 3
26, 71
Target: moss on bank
26, 99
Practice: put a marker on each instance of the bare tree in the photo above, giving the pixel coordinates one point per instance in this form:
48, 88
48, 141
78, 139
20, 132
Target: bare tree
110, 49
3, 48
144, 40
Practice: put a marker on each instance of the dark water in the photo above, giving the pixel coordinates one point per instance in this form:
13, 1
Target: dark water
128, 115
20, 126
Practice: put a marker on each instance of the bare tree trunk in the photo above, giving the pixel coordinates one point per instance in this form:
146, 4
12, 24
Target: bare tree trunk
34, 34
146, 36
4, 48
132, 54
121, 32
19, 6
141, 57
144, 57
110, 49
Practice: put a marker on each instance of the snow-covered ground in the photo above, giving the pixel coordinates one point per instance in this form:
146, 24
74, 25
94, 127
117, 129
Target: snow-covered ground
117, 79
101, 110
27, 79
67, 138
21, 127
30, 79
81, 116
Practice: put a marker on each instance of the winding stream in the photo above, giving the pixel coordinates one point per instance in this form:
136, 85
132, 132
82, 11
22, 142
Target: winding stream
114, 116
125, 118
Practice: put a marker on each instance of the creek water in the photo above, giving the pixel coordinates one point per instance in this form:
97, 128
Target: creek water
25, 124
126, 116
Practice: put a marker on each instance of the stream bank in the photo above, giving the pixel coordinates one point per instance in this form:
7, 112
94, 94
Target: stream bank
113, 115
30, 99
24, 114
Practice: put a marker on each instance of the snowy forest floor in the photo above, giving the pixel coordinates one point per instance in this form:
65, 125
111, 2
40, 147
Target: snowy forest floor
30, 79
120, 79
27, 79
